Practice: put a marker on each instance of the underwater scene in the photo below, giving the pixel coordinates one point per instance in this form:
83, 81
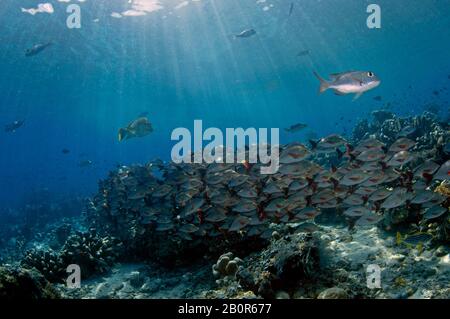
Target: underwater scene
224, 149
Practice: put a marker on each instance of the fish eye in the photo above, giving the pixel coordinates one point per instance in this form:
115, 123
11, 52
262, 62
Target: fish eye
370, 74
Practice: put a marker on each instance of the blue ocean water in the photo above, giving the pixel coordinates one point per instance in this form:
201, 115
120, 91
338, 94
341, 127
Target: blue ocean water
181, 63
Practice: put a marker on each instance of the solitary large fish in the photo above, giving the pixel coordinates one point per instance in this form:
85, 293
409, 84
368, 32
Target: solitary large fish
344, 83
296, 127
37, 48
138, 128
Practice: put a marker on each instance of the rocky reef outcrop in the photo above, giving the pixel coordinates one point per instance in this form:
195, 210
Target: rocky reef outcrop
23, 284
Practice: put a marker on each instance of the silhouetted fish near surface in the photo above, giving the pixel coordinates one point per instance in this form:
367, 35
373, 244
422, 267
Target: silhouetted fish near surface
291, 9
65, 151
356, 82
303, 53
37, 48
296, 127
12, 127
246, 33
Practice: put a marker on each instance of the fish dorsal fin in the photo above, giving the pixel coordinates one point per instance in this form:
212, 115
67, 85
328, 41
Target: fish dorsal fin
336, 76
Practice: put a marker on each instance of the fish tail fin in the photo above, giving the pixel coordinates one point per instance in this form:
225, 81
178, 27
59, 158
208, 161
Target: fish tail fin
324, 85
313, 144
122, 134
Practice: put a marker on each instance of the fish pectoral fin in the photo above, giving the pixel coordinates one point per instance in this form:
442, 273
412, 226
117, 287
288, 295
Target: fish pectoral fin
122, 134
338, 93
357, 96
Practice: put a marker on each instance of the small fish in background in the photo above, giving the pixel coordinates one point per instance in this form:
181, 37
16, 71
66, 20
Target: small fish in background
137, 128
37, 48
377, 98
413, 239
12, 127
303, 53
65, 151
291, 9
85, 163
331, 141
296, 128
246, 33
307, 227
356, 82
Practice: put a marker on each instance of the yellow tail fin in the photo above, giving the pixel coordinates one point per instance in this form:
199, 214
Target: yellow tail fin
398, 238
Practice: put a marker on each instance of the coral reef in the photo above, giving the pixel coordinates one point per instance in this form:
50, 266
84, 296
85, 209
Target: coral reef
93, 253
226, 267
308, 231
47, 262
287, 263
387, 127
22, 284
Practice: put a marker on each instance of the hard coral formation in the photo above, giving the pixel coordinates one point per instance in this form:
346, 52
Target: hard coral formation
47, 262
226, 266
387, 127
93, 253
